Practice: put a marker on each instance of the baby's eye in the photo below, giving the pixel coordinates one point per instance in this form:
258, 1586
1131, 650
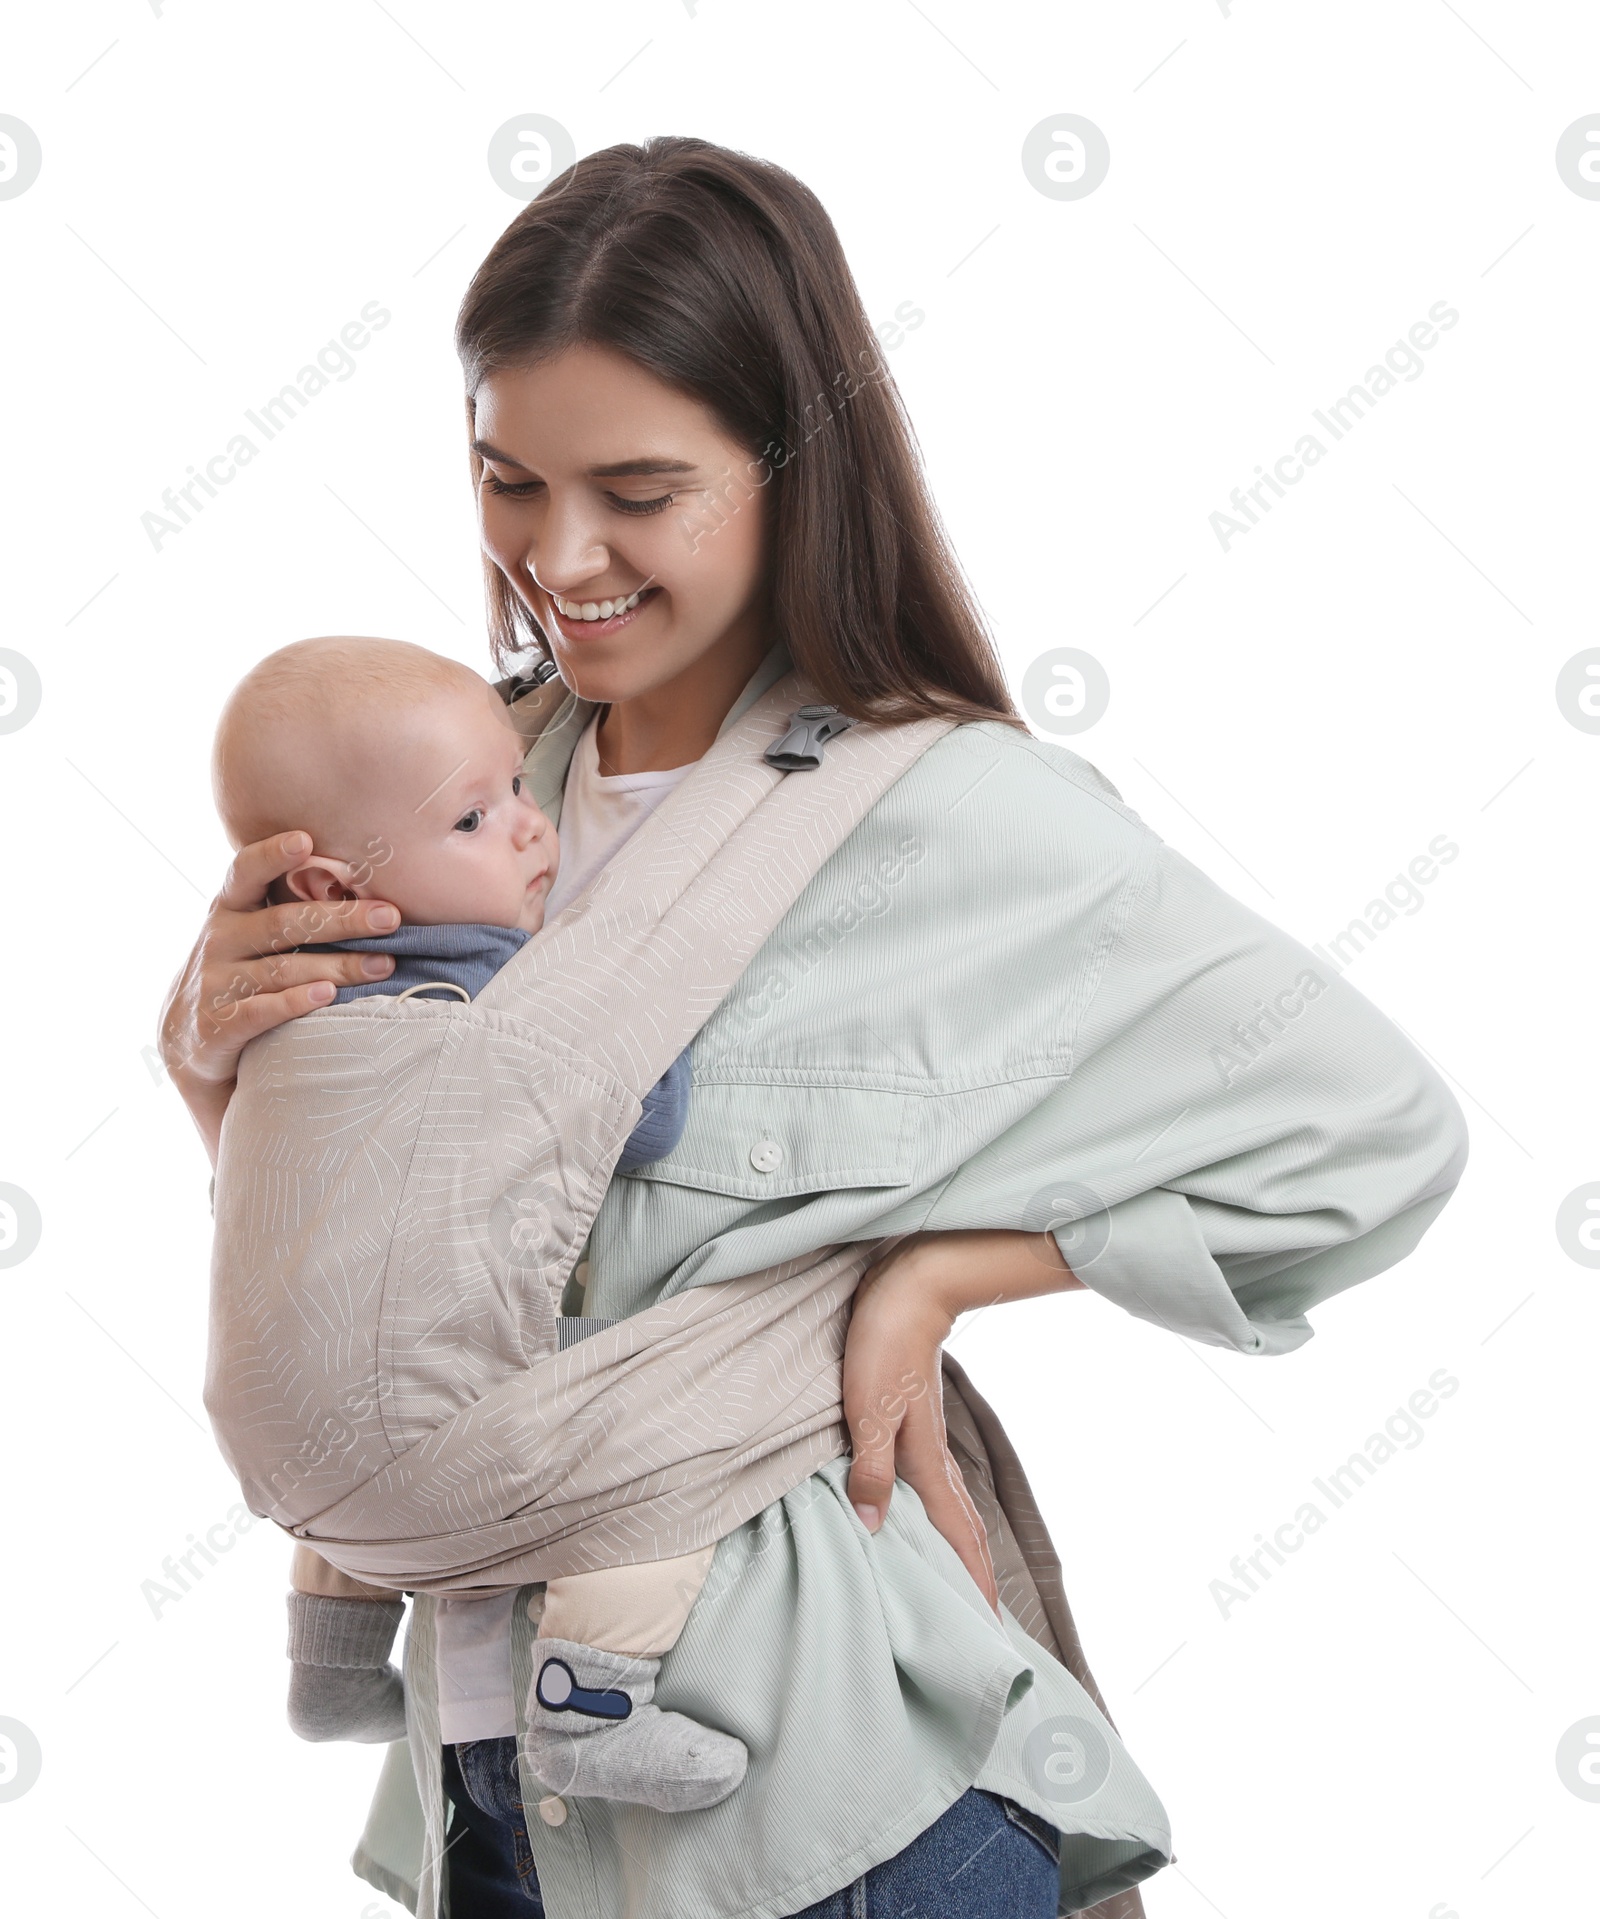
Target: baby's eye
516, 784
470, 822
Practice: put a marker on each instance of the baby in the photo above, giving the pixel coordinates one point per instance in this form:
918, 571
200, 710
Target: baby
406, 771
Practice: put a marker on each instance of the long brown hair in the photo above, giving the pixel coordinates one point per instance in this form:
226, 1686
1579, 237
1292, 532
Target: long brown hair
723, 276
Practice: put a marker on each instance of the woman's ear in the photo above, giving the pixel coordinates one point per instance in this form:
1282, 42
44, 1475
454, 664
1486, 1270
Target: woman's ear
324, 880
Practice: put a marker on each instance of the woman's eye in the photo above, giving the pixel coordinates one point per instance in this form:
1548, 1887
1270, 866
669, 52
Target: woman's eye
525, 489
642, 506
516, 783
470, 822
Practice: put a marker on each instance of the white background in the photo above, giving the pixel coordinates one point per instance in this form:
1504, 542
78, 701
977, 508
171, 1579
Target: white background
1373, 665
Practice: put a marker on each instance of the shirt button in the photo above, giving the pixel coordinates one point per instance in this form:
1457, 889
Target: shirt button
766, 1156
553, 1810
580, 1272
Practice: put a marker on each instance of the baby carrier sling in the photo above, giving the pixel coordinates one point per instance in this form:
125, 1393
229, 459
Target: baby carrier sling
404, 1186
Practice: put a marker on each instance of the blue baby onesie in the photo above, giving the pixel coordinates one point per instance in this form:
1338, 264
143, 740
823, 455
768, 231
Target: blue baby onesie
469, 957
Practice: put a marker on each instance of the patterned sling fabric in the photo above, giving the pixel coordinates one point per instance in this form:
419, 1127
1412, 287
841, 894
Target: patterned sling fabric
404, 1187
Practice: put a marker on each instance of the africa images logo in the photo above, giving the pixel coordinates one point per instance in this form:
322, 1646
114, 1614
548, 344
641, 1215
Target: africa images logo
1402, 362
20, 156
334, 363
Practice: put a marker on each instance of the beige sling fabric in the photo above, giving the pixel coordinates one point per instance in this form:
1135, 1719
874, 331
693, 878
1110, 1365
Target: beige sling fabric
404, 1186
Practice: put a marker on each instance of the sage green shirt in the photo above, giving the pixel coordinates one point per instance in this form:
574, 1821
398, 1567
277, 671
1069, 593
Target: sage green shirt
1003, 1002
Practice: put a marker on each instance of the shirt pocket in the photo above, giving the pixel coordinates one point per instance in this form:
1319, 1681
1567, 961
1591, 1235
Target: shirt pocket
761, 1140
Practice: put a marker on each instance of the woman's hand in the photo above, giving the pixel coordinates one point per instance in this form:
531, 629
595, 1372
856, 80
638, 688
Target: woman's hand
904, 1309
242, 978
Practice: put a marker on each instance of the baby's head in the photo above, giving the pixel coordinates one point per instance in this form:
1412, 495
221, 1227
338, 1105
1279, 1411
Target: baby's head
403, 767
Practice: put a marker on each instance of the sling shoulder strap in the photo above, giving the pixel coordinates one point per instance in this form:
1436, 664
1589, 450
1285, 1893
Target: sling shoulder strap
675, 917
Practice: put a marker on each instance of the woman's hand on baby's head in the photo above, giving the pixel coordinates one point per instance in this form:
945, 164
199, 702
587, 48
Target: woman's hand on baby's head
243, 976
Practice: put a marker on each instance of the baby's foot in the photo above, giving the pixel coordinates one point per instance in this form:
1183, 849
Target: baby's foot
340, 1683
593, 1731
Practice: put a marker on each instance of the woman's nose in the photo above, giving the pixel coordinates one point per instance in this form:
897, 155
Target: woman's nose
567, 550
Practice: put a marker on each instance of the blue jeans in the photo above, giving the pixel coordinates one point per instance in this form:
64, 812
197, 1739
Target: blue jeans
984, 1858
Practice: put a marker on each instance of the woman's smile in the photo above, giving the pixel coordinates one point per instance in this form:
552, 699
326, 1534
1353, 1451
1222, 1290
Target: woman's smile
593, 625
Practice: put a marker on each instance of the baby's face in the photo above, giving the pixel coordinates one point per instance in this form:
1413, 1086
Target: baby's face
449, 834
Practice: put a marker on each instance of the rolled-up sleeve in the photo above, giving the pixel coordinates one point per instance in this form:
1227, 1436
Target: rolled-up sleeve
1283, 1139
1240, 1133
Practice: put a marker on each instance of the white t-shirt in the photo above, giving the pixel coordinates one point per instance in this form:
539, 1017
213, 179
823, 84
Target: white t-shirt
600, 813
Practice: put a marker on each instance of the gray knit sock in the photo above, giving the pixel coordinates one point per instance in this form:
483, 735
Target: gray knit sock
341, 1685
646, 1756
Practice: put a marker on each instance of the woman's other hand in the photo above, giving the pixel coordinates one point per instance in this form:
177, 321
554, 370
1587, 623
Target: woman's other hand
904, 1310
243, 978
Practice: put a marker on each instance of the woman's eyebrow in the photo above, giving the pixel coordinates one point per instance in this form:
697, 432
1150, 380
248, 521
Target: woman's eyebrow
487, 452
629, 469
613, 470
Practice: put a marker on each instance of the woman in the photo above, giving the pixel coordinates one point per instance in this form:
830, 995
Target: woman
1004, 1020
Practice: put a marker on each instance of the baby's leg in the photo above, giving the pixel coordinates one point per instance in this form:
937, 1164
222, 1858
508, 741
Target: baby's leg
636, 1610
341, 1685
309, 1572
593, 1726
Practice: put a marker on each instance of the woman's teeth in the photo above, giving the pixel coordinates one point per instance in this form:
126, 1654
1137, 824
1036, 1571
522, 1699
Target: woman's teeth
598, 609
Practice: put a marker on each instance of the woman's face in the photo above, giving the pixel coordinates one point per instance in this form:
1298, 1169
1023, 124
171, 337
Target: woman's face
600, 482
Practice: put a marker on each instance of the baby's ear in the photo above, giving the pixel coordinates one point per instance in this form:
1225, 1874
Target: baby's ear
325, 880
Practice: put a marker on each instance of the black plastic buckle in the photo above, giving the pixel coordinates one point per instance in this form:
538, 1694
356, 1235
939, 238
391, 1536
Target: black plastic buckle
529, 679
800, 749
